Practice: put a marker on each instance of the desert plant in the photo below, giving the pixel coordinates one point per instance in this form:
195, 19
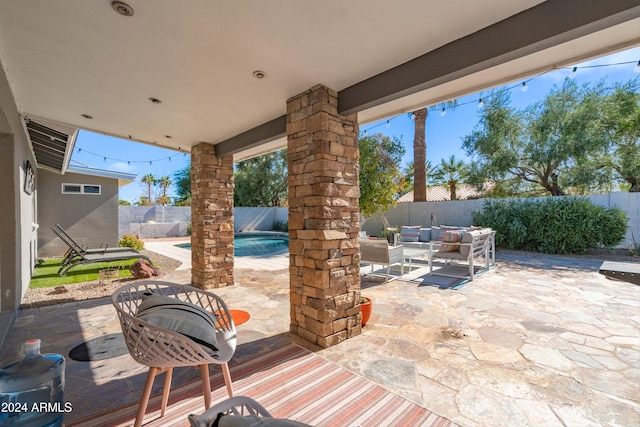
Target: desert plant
634, 247
131, 241
280, 226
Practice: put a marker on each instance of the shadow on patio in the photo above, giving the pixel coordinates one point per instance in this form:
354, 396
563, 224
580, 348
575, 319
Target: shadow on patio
541, 340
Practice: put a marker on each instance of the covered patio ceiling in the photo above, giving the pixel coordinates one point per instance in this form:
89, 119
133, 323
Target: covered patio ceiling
179, 73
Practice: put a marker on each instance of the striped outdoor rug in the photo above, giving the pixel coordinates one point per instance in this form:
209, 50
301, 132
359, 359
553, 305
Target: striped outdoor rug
290, 382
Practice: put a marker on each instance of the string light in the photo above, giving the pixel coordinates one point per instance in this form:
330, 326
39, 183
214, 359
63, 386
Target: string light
523, 87
105, 158
413, 116
572, 74
388, 123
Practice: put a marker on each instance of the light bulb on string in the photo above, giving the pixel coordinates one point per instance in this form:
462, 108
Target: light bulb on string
129, 163
443, 112
572, 74
413, 116
388, 123
636, 69
104, 160
480, 103
150, 163
365, 132
524, 87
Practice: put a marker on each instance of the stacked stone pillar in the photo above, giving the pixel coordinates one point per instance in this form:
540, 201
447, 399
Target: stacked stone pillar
323, 218
211, 218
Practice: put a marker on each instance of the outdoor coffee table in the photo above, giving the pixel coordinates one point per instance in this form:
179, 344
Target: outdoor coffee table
410, 253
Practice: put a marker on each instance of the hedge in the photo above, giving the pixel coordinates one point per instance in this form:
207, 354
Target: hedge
567, 225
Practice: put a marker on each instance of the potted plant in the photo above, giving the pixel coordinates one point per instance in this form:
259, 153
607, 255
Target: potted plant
365, 307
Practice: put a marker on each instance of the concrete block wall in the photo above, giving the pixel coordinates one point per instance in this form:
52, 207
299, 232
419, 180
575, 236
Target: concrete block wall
250, 219
460, 213
172, 220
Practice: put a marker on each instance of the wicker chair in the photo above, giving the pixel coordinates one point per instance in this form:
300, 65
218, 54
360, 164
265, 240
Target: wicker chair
161, 349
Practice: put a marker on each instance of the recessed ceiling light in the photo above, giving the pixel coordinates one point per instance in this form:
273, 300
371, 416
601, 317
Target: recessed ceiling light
87, 116
259, 74
155, 100
122, 8
168, 136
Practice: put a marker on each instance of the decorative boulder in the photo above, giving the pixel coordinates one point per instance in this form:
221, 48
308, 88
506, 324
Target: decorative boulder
142, 270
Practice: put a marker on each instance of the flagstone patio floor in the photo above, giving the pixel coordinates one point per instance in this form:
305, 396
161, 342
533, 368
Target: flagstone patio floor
538, 341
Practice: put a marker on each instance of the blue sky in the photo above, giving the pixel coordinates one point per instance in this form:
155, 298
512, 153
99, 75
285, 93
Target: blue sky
444, 133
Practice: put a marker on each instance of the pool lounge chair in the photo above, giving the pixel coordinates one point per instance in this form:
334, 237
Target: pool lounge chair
76, 254
76, 248
96, 258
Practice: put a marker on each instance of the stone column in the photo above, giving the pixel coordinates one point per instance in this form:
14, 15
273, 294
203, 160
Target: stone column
323, 218
211, 218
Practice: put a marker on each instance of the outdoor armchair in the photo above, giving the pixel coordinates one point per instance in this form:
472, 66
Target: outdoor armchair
166, 325
379, 252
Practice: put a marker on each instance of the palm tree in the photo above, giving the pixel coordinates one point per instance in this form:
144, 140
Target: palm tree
419, 155
451, 173
409, 171
420, 149
150, 180
164, 182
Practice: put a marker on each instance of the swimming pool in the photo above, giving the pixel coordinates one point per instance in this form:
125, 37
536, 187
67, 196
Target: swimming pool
255, 244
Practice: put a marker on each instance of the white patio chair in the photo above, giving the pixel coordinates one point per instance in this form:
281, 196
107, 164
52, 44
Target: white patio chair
162, 349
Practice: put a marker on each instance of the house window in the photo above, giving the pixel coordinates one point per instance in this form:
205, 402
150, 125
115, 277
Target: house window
81, 189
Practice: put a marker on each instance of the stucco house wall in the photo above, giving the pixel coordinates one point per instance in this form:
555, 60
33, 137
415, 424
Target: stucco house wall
18, 234
88, 218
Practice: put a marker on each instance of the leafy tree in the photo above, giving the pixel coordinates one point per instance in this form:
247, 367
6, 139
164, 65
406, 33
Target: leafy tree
183, 186
539, 150
621, 126
451, 173
150, 181
262, 181
122, 202
380, 175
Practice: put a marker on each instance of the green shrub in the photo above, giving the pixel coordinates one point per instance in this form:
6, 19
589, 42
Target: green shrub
131, 241
553, 225
189, 228
280, 226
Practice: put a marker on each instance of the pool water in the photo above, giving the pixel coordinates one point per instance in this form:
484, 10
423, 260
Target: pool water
255, 245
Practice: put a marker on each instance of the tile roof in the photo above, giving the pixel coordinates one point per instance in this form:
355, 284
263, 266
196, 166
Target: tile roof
440, 193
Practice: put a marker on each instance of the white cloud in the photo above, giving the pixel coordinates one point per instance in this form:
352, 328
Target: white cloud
123, 167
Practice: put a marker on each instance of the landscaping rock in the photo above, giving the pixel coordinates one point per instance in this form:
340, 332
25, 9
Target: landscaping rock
142, 270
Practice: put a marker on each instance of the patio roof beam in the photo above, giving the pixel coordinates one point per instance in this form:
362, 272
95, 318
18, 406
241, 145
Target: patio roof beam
259, 135
548, 24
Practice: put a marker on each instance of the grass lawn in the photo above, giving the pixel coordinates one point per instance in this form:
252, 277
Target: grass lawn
46, 275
